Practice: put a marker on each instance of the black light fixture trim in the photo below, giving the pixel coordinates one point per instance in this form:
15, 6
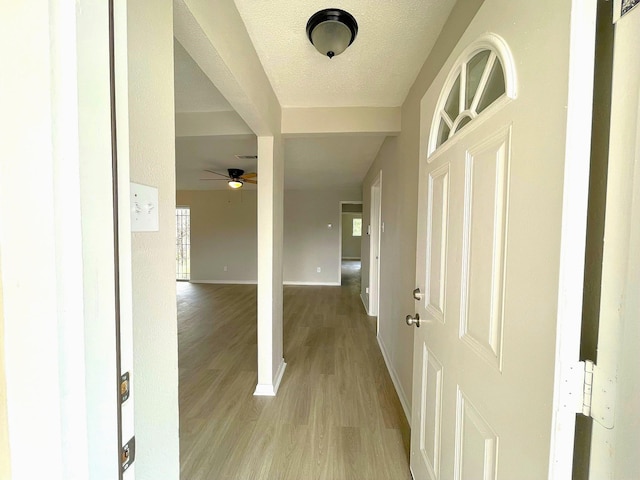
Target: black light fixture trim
336, 15
235, 173
235, 181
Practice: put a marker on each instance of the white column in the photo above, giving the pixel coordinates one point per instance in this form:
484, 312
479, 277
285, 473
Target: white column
271, 363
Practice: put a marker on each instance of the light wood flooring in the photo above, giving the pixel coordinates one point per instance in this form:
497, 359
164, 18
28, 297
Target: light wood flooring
336, 415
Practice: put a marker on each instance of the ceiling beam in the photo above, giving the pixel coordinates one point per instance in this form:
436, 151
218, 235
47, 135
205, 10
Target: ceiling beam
207, 124
214, 35
341, 120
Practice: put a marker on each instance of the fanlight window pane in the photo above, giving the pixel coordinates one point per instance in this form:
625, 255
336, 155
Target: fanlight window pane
475, 69
479, 82
452, 105
462, 123
494, 88
443, 132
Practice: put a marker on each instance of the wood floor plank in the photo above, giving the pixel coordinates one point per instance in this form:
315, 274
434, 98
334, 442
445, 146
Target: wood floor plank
336, 415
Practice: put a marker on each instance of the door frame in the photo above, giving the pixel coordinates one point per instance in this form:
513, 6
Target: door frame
344, 202
63, 389
375, 236
614, 442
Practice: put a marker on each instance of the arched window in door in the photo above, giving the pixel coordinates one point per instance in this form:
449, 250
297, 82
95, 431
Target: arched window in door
483, 75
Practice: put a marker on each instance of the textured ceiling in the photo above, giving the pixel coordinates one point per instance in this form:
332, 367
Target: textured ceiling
310, 163
394, 39
195, 154
329, 162
194, 92
393, 42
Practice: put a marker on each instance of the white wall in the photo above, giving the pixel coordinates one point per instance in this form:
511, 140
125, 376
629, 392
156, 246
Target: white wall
351, 245
398, 160
152, 160
5, 454
223, 233
309, 243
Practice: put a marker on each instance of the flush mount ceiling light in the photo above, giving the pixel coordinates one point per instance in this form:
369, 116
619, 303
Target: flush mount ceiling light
331, 31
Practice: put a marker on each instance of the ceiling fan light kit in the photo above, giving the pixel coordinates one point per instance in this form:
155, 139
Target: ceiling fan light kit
331, 31
236, 177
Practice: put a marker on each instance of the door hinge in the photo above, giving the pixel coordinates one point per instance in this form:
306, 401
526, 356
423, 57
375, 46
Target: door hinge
587, 387
598, 394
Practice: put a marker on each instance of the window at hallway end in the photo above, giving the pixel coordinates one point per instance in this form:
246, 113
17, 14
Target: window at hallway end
357, 227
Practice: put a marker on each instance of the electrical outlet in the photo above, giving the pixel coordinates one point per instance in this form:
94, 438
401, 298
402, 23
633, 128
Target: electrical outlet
225, 268
318, 269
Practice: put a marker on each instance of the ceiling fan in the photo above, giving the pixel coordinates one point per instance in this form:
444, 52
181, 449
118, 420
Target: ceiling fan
236, 177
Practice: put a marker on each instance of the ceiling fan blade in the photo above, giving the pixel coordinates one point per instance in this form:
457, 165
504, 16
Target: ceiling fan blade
249, 175
216, 173
255, 182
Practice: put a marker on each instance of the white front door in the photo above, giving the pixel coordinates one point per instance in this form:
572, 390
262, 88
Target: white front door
500, 247
616, 441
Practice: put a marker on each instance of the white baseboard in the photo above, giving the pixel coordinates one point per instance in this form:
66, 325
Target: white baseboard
395, 380
268, 390
255, 282
227, 282
364, 302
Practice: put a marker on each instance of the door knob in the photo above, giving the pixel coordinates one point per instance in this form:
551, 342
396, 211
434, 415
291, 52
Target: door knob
417, 295
413, 320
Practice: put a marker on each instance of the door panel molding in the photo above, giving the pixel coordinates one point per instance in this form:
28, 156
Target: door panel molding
477, 443
437, 234
431, 412
484, 246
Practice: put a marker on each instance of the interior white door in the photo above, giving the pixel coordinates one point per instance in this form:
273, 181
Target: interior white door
500, 247
615, 440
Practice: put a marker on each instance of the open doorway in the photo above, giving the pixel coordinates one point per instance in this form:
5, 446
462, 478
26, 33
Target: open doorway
350, 241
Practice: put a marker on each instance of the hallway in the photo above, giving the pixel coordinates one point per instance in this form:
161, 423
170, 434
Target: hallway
336, 416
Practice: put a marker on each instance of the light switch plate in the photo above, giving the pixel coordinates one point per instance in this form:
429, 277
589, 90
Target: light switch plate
144, 208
